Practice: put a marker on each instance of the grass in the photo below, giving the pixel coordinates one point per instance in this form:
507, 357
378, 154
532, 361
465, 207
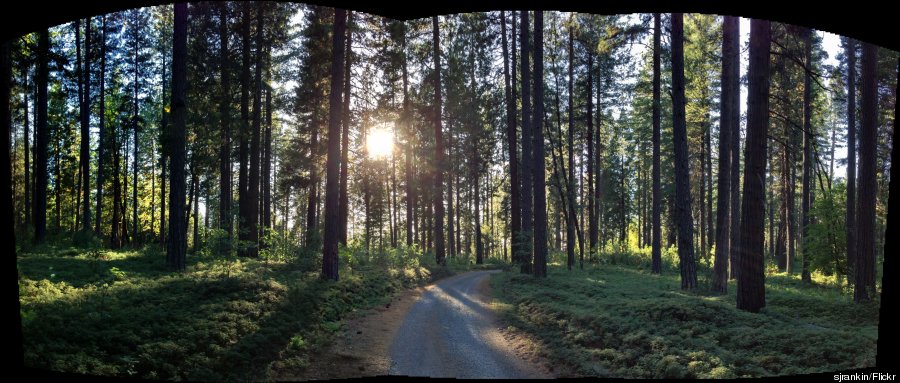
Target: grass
121, 313
622, 321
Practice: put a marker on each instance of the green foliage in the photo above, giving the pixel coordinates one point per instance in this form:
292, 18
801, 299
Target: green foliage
827, 243
619, 321
226, 318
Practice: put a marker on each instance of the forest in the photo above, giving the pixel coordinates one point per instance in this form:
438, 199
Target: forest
226, 190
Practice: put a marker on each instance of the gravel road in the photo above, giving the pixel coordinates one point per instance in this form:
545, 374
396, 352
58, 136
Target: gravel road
451, 332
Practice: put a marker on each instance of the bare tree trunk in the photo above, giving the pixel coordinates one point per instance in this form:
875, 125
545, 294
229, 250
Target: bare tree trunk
243, 197
135, 223
540, 182
570, 216
224, 114
451, 244
656, 251
682, 173
267, 160
864, 289
437, 201
102, 144
41, 141
177, 244
729, 119
515, 209
806, 193
332, 167
851, 156
751, 293
26, 135
84, 93
343, 199
409, 152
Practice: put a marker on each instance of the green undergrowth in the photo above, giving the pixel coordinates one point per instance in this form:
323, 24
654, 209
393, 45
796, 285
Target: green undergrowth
622, 321
122, 313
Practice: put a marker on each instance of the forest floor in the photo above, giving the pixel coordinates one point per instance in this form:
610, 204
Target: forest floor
623, 321
122, 313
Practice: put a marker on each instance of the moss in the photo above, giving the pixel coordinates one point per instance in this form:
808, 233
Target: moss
640, 325
226, 318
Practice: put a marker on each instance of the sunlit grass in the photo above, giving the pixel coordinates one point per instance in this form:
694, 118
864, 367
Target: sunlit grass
621, 321
122, 313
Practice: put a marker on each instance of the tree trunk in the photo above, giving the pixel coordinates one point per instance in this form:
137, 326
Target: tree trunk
224, 114
682, 173
451, 243
527, 162
864, 289
515, 211
6, 165
656, 216
115, 230
135, 224
332, 224
735, 209
394, 222
437, 201
479, 247
253, 187
41, 141
751, 293
84, 94
26, 135
540, 182
243, 197
570, 217
101, 147
192, 201
806, 193
267, 160
729, 119
163, 158
177, 244
851, 156
344, 200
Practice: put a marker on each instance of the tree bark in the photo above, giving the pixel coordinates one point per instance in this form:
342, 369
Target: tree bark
135, 223
806, 192
84, 94
330, 238
851, 156
243, 197
26, 136
253, 187
101, 147
682, 173
437, 201
656, 251
224, 115
729, 119
540, 182
864, 287
751, 293
570, 216
515, 210
177, 244
527, 162
41, 141
343, 199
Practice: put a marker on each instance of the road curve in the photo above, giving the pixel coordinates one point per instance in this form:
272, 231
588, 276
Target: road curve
452, 332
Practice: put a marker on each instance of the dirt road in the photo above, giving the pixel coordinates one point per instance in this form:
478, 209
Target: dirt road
446, 329
452, 332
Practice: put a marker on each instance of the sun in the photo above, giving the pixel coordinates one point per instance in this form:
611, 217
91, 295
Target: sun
380, 143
